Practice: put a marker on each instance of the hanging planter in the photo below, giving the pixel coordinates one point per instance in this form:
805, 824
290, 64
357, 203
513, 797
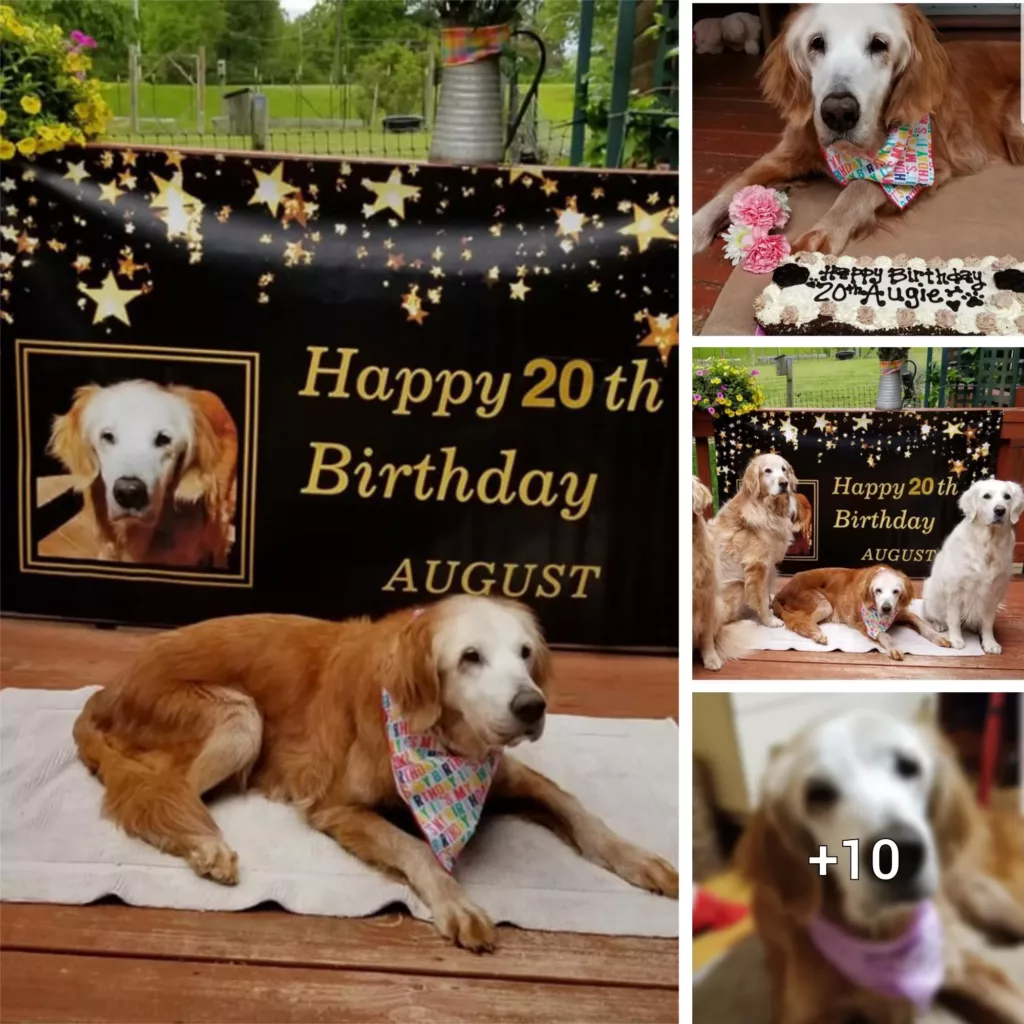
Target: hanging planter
470, 127
890, 383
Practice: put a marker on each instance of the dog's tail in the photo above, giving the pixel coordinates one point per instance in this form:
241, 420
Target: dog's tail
735, 639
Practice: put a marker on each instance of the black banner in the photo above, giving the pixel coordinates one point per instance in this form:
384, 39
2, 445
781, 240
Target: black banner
235, 383
875, 486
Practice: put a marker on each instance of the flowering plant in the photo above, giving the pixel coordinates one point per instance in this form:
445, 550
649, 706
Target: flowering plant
755, 212
720, 386
47, 98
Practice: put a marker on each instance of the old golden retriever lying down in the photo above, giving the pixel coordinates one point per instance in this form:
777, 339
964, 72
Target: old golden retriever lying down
870, 600
295, 707
753, 530
845, 945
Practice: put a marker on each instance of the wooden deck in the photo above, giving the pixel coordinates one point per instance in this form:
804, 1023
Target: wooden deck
108, 962
1008, 666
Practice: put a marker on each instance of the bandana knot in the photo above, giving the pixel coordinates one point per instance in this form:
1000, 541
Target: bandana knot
903, 166
874, 622
444, 791
909, 967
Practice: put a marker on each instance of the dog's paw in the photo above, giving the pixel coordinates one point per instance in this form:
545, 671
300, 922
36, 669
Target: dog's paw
991, 647
821, 639
818, 239
644, 870
773, 621
895, 653
214, 859
941, 641
957, 643
465, 924
705, 221
712, 662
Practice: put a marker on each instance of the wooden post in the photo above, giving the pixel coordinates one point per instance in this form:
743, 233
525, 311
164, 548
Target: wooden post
260, 109
133, 87
201, 90
428, 93
579, 106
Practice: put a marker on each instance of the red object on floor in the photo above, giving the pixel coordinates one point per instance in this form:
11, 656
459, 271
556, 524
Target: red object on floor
990, 745
710, 912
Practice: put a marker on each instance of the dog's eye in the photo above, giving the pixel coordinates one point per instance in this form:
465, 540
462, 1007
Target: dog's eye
767, 470
818, 44
987, 496
820, 795
878, 590
1006, 497
162, 440
107, 436
525, 651
878, 45
907, 767
471, 656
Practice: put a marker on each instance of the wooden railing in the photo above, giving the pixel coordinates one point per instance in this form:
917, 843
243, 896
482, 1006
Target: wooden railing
1009, 461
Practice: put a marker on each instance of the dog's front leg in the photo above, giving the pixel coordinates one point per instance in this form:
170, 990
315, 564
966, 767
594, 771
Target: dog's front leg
569, 820
933, 635
708, 653
373, 839
755, 591
889, 646
981, 993
989, 644
953, 621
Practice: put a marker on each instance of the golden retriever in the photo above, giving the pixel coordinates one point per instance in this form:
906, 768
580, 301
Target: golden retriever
861, 776
753, 530
717, 640
156, 466
841, 74
803, 538
293, 707
843, 595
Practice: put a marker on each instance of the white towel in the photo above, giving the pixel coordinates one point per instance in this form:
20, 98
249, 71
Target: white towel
846, 638
57, 849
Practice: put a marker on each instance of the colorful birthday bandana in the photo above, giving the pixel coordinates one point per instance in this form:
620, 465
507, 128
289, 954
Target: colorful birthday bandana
903, 166
910, 967
444, 791
875, 623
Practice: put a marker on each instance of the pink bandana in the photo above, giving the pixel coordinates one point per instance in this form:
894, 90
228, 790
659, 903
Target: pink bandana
875, 623
444, 791
903, 166
910, 967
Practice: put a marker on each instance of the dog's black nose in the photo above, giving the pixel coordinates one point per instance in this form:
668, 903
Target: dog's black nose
840, 111
783, 485
886, 607
528, 706
130, 492
907, 859
999, 511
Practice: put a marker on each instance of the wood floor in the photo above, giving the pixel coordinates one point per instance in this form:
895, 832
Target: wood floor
112, 963
1008, 666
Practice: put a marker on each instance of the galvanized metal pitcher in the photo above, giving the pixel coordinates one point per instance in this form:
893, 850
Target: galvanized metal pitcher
469, 127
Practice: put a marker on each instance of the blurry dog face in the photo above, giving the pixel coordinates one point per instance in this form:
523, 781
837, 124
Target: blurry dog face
887, 589
993, 503
702, 498
769, 476
473, 669
134, 436
868, 777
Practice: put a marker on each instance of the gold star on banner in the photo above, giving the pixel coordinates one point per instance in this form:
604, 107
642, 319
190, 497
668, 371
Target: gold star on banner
294, 253
594, 286
570, 221
127, 266
266, 280
263, 299
436, 272
926, 429
173, 159
437, 254
871, 461
391, 194
821, 422
434, 296
81, 264
128, 158
270, 189
647, 226
664, 334
294, 210
181, 212
127, 179
526, 174
970, 433
862, 422
76, 172
27, 244
223, 214
519, 289
56, 246
110, 193
984, 449
974, 456
829, 444
412, 305
466, 254
106, 159
952, 429
957, 467
495, 230
549, 186
788, 431
597, 193
110, 300
493, 274
395, 261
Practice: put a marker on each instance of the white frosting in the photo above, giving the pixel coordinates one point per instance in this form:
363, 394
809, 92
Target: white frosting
918, 290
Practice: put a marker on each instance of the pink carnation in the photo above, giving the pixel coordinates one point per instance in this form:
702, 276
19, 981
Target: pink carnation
757, 207
765, 254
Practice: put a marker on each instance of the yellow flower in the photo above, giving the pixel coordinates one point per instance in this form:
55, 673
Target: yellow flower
31, 104
26, 147
83, 111
716, 380
63, 133
727, 401
3, 118
74, 63
77, 137
6, 149
45, 132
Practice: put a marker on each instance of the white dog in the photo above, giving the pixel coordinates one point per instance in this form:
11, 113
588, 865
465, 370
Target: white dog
972, 571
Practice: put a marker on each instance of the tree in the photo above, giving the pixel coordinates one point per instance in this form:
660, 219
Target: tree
252, 33
182, 26
109, 22
397, 72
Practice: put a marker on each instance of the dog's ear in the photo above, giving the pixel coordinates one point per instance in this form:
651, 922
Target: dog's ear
773, 854
922, 84
793, 482
69, 444
1016, 503
198, 478
751, 482
409, 670
906, 589
951, 809
867, 592
783, 84
968, 501
701, 497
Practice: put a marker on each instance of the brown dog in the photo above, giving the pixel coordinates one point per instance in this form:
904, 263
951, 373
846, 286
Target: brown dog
293, 706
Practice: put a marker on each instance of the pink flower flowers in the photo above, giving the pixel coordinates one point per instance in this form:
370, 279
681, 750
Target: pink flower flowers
81, 40
765, 254
758, 207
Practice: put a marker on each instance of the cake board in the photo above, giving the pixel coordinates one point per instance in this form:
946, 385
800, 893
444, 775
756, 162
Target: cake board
980, 215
